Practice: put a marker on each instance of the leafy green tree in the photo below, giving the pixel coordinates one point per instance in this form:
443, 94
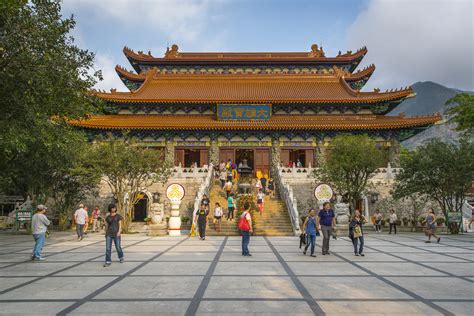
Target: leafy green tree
44, 79
463, 112
128, 168
353, 159
442, 171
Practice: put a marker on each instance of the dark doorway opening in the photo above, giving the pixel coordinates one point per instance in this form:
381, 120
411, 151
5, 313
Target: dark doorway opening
241, 154
298, 155
140, 209
192, 156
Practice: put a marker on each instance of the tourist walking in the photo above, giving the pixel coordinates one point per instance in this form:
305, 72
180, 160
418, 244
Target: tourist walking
230, 207
263, 181
378, 221
245, 227
80, 217
217, 217
222, 177
205, 200
228, 188
258, 184
260, 201
96, 220
86, 225
201, 216
356, 233
309, 227
393, 221
327, 222
39, 226
271, 187
113, 232
430, 226
229, 174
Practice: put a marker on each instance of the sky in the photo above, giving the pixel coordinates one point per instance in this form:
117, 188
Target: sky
407, 40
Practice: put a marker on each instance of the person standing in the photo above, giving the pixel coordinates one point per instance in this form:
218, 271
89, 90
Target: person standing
258, 184
260, 201
201, 217
228, 188
230, 207
222, 177
271, 187
393, 221
205, 200
95, 220
113, 232
356, 233
39, 225
309, 227
217, 217
263, 181
80, 217
327, 221
86, 225
245, 227
430, 226
378, 221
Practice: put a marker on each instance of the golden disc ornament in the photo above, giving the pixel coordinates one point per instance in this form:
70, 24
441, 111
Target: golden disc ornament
323, 192
175, 191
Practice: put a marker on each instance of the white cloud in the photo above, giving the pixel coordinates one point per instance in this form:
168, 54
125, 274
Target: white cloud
107, 64
417, 40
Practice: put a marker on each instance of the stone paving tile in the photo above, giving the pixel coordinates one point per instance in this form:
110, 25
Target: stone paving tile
400, 268
254, 308
434, 288
186, 256
456, 268
376, 308
92, 268
7, 283
464, 308
33, 268
135, 308
370, 257
250, 268
325, 268
251, 287
204, 248
162, 287
350, 288
129, 256
464, 256
428, 257
58, 288
175, 268
237, 256
298, 256
254, 248
32, 308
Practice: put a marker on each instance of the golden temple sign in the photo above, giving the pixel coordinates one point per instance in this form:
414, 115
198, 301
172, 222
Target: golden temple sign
244, 112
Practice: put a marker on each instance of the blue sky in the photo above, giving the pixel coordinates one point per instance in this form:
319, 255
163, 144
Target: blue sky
408, 40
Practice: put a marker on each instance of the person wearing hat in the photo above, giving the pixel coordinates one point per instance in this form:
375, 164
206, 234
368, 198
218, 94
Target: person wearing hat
39, 225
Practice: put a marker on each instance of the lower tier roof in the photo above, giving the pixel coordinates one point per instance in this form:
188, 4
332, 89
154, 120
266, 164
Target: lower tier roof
276, 122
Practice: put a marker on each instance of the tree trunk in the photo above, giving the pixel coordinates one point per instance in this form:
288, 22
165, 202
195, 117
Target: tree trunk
63, 220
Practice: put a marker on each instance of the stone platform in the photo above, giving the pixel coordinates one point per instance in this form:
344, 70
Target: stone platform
400, 274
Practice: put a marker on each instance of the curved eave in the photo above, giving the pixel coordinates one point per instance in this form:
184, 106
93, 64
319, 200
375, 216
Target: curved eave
201, 58
363, 74
277, 123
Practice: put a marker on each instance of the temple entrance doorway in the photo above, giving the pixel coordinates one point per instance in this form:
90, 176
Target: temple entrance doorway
140, 209
242, 154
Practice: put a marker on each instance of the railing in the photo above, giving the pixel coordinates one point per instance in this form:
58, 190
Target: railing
203, 189
191, 172
286, 194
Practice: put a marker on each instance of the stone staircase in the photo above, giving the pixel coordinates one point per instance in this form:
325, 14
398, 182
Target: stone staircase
275, 220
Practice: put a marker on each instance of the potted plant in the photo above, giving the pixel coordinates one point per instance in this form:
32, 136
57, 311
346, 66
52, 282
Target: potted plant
440, 221
405, 221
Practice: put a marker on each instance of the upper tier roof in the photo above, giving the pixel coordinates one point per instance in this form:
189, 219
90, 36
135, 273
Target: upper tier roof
359, 76
250, 88
174, 56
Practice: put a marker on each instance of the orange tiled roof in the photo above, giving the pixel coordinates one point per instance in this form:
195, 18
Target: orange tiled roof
276, 122
288, 88
244, 56
367, 71
129, 75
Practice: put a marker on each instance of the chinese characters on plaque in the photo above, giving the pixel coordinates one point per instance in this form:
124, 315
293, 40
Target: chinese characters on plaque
243, 111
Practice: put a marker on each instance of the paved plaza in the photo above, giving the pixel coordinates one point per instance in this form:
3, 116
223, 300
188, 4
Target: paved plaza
181, 275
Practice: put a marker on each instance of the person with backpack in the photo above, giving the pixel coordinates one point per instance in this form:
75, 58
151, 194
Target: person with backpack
201, 216
356, 233
309, 226
245, 227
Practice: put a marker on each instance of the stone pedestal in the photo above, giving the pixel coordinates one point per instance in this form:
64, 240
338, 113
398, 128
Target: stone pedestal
174, 224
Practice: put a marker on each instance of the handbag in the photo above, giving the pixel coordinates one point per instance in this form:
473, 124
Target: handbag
357, 232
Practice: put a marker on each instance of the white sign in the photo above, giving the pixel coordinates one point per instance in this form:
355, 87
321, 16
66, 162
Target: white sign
175, 191
323, 192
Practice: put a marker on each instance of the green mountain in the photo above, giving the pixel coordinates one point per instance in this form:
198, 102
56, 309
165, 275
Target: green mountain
430, 98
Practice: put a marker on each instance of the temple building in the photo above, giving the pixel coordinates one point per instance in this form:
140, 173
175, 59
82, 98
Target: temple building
266, 107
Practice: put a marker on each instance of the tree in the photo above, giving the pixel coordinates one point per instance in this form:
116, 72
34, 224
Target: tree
442, 171
352, 161
44, 79
463, 112
128, 168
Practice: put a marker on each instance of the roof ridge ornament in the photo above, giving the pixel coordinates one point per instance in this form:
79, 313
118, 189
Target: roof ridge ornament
316, 51
173, 52
340, 72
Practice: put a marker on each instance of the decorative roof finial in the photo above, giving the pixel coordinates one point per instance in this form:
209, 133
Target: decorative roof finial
173, 52
316, 51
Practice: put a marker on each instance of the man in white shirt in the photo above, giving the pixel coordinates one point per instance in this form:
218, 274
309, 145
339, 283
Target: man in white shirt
81, 218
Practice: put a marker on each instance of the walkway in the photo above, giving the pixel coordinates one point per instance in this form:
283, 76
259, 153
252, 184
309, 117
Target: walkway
177, 276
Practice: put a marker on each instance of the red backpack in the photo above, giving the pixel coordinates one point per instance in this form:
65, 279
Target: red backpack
243, 224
